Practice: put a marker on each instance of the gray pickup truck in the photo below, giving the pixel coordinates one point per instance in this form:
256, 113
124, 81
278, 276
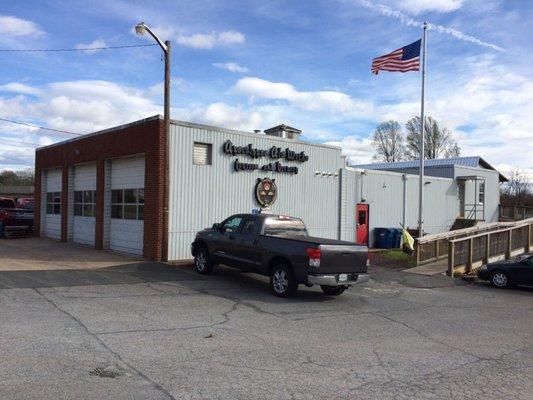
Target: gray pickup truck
279, 247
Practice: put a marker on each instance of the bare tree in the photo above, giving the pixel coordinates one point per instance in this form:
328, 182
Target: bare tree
388, 141
24, 177
438, 142
518, 189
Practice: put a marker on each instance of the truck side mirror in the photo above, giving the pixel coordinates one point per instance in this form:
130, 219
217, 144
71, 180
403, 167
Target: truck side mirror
216, 226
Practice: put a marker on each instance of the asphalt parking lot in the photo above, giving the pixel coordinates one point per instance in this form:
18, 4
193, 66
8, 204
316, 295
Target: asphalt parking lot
153, 331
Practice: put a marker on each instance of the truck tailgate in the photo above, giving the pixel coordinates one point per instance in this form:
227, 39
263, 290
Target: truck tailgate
342, 258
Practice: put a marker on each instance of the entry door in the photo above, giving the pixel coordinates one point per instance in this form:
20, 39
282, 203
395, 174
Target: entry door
361, 215
462, 198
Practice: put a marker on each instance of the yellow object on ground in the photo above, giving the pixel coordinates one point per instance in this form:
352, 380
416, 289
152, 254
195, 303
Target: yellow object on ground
408, 240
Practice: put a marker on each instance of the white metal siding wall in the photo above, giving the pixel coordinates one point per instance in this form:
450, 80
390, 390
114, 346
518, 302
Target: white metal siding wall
53, 221
127, 235
84, 227
203, 194
348, 202
384, 192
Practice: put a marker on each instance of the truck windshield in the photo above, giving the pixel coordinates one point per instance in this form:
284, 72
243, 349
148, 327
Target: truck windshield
284, 226
6, 203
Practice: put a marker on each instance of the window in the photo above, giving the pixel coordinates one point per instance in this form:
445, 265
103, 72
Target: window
85, 203
232, 225
285, 226
202, 153
362, 217
127, 204
249, 227
481, 193
53, 202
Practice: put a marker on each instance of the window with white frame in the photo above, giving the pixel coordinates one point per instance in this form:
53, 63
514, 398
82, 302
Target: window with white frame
481, 193
85, 203
53, 203
202, 153
127, 204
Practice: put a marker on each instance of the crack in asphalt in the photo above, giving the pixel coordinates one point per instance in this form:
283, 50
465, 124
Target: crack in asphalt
156, 385
441, 373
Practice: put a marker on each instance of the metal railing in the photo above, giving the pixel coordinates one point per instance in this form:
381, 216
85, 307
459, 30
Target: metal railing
467, 253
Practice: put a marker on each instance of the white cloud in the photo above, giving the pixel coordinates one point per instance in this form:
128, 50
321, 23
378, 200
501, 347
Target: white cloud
95, 45
210, 40
419, 6
230, 37
15, 87
17, 27
357, 150
407, 20
325, 100
231, 66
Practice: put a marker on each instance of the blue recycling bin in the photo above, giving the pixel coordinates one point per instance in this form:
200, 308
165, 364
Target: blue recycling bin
384, 238
388, 238
397, 238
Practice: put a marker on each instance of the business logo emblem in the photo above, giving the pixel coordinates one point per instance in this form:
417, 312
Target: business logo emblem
266, 191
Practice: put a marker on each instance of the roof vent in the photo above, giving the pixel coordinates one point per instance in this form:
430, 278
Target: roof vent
284, 131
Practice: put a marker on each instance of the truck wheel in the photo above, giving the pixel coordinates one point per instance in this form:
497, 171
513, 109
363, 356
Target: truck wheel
202, 262
282, 281
333, 290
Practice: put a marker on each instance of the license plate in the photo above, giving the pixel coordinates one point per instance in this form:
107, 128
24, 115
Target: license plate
343, 277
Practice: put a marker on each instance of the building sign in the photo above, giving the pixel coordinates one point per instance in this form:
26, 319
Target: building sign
266, 191
275, 153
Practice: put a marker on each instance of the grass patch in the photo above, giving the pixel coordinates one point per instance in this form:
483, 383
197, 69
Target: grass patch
393, 258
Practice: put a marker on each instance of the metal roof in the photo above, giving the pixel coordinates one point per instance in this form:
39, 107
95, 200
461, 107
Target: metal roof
464, 161
472, 161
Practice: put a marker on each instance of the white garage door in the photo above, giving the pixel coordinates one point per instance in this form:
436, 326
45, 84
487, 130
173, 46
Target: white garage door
84, 204
127, 205
52, 197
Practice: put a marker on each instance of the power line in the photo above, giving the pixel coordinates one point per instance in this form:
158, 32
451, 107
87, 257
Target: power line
79, 49
40, 127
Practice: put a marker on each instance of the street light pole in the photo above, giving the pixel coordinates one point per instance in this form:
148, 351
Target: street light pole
140, 29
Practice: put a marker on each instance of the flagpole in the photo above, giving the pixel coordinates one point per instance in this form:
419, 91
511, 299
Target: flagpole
422, 138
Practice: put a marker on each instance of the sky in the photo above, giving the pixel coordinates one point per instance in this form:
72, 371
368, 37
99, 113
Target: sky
255, 64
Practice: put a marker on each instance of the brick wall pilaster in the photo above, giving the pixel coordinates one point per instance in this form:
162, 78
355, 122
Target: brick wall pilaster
37, 202
100, 190
64, 203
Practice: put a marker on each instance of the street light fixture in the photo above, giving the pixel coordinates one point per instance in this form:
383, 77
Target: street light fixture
141, 29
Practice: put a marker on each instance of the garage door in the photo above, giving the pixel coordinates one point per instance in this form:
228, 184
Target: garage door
84, 204
126, 228
52, 196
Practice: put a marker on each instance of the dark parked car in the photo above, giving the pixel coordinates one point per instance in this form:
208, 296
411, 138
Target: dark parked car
280, 247
503, 274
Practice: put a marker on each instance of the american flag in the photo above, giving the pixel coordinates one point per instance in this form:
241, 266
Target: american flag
404, 59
